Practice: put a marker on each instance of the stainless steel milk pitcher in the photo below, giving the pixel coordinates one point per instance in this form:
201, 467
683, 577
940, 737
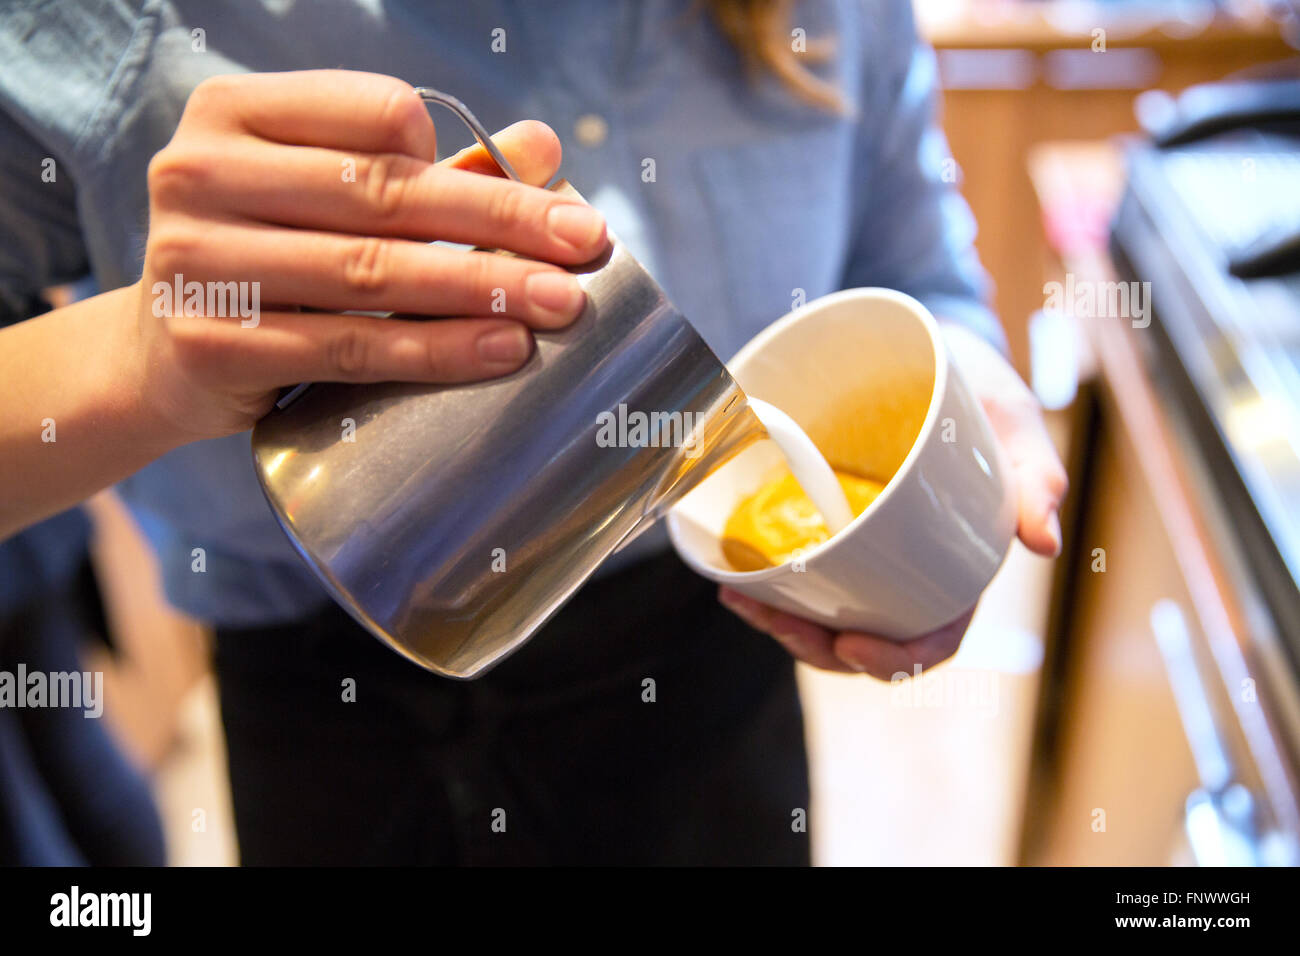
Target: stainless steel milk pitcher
453, 521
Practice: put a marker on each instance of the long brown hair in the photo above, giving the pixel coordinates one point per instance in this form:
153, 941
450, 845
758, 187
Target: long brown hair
762, 34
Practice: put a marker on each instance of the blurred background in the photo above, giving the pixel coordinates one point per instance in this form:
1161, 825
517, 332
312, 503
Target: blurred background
1135, 171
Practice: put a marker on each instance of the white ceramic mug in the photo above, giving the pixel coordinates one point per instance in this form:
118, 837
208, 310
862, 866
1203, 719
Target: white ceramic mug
866, 374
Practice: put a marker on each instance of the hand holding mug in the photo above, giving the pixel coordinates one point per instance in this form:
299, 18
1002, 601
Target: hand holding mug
917, 559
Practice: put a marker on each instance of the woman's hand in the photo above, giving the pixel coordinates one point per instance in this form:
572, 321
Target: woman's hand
321, 188
1040, 483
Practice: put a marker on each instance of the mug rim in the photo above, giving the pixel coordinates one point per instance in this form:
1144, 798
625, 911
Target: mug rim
938, 390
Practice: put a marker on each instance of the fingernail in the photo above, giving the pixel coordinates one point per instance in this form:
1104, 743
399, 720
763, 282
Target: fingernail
1054, 530
577, 224
852, 661
556, 292
505, 346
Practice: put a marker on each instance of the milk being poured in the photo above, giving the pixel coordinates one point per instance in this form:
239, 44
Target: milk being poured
808, 465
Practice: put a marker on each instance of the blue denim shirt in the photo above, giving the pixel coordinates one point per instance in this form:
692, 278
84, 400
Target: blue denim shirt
753, 199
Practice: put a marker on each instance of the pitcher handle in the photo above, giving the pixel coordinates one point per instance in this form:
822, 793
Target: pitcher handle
292, 393
475, 127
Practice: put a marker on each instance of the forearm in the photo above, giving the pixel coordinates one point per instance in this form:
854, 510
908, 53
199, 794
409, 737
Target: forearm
74, 417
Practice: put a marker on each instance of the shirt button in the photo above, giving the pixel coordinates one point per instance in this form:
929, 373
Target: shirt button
591, 130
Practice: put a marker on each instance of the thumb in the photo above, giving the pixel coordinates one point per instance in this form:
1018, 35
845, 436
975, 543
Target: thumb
1041, 483
531, 146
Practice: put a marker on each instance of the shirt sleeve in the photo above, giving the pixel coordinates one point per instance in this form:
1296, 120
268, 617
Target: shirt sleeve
40, 233
912, 229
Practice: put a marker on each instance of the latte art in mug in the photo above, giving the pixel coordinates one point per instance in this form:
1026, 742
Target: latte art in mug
792, 511
778, 521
